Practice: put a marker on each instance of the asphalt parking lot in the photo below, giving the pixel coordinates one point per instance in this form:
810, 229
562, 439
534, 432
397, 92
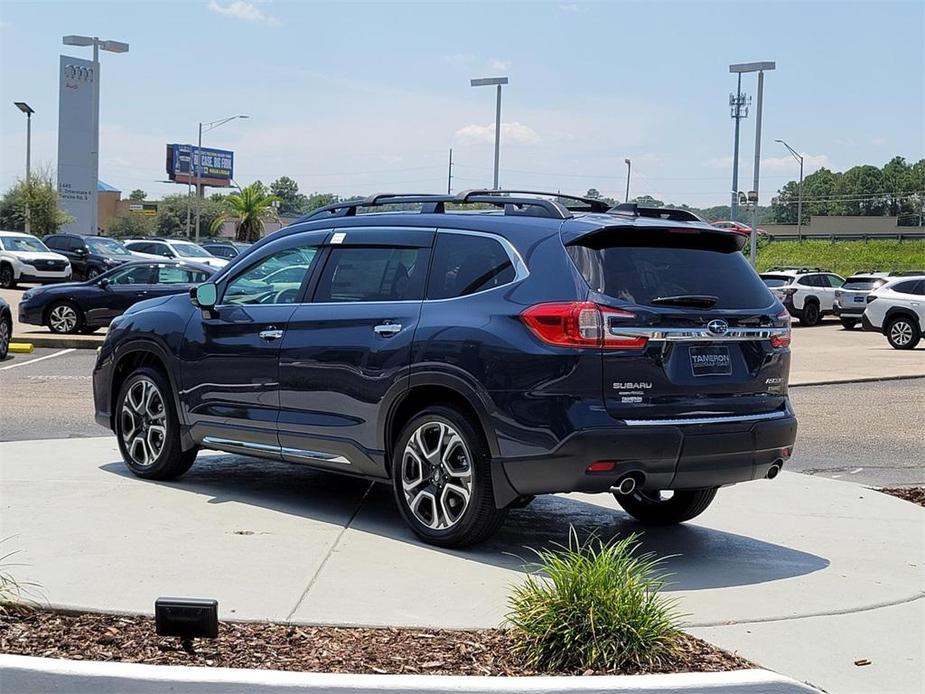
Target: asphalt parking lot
868, 432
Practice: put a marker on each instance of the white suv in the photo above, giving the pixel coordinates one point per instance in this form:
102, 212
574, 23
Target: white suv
178, 249
851, 298
24, 258
897, 309
807, 293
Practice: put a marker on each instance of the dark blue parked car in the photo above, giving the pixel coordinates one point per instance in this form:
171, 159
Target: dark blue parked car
473, 359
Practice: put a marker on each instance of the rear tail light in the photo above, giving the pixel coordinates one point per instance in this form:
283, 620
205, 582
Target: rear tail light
578, 324
781, 337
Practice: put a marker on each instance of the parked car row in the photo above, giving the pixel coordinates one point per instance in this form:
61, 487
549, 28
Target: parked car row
809, 294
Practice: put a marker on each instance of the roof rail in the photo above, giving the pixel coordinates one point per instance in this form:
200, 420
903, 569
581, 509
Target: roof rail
798, 268
669, 213
513, 202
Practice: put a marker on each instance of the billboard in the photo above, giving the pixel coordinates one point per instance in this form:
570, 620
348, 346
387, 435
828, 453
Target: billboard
210, 167
78, 141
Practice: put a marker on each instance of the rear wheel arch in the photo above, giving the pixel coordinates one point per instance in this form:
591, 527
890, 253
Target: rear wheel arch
896, 311
423, 395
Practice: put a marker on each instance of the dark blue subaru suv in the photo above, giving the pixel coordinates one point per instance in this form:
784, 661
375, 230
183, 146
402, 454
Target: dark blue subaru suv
474, 351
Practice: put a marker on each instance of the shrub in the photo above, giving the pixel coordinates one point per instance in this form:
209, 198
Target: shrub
596, 605
15, 596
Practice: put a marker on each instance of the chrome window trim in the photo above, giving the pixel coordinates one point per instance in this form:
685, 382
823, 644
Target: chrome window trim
698, 334
317, 456
722, 419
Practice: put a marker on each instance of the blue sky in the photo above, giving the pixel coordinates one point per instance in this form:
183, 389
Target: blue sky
360, 97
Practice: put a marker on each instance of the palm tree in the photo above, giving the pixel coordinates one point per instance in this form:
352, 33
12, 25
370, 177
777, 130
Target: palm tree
249, 208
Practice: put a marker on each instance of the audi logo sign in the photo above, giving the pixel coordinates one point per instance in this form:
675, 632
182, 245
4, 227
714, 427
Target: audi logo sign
78, 73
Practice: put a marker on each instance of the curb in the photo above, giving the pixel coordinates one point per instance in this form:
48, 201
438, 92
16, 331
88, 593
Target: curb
27, 674
60, 341
865, 379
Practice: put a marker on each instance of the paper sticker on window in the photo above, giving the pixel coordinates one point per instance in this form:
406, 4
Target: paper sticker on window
338, 237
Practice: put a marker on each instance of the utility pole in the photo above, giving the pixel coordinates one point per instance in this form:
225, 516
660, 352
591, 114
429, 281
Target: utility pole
449, 174
486, 82
738, 107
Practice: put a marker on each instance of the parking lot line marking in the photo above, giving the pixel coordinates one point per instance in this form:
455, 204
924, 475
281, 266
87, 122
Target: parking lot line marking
32, 361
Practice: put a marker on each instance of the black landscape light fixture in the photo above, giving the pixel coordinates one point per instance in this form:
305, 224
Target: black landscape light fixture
186, 618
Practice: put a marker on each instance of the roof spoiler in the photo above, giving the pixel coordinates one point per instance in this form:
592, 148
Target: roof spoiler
675, 215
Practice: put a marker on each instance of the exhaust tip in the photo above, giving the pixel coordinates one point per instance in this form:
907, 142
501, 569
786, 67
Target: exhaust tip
774, 470
625, 486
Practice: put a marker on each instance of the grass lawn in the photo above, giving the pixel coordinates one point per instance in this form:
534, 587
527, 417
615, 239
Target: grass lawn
844, 257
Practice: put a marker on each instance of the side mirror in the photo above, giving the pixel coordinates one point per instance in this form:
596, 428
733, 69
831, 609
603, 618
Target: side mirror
81, 251
204, 296
104, 282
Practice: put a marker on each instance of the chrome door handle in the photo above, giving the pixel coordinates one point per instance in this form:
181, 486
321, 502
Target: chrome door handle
387, 329
270, 335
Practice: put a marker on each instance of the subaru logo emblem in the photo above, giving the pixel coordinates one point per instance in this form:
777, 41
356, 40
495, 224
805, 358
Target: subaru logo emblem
718, 327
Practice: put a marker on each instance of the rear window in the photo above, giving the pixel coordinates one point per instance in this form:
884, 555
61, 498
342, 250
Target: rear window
776, 280
641, 273
863, 283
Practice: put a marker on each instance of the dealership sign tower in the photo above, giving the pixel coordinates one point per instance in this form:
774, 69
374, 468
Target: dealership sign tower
79, 132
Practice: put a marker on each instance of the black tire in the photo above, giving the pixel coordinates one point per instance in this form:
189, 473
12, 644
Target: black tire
810, 315
903, 333
93, 273
849, 323
649, 509
64, 318
166, 460
478, 518
7, 277
89, 329
6, 333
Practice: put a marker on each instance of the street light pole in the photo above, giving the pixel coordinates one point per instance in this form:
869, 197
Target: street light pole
629, 168
799, 157
25, 108
494, 81
208, 127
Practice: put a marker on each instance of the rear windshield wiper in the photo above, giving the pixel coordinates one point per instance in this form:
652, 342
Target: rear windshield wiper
700, 300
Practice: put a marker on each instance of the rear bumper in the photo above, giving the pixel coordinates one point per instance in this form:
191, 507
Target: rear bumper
673, 455
867, 325
848, 311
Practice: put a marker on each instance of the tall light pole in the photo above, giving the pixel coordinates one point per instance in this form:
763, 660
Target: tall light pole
205, 127
486, 82
25, 108
738, 109
629, 168
760, 68
799, 157
112, 47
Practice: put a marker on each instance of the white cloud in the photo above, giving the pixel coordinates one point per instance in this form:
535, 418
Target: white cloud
511, 133
242, 10
500, 65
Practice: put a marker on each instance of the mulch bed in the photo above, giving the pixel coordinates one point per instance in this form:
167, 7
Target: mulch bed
304, 648
914, 494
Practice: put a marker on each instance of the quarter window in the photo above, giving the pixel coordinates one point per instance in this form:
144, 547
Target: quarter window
907, 287
465, 264
274, 280
373, 274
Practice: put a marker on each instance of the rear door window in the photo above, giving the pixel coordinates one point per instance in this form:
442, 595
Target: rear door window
372, 274
465, 264
631, 270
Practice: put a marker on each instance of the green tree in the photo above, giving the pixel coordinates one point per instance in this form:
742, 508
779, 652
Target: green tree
172, 214
131, 224
137, 194
291, 201
40, 199
249, 209
316, 200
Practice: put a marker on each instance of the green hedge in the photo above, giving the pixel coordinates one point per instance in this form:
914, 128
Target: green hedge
844, 257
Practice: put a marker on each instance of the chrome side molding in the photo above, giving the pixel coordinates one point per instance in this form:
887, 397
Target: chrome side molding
316, 456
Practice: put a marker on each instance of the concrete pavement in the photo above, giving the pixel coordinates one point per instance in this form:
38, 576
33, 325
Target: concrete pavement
833, 564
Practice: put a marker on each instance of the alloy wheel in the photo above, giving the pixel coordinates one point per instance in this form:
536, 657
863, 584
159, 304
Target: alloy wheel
92, 273
901, 333
436, 475
6, 277
143, 421
63, 318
